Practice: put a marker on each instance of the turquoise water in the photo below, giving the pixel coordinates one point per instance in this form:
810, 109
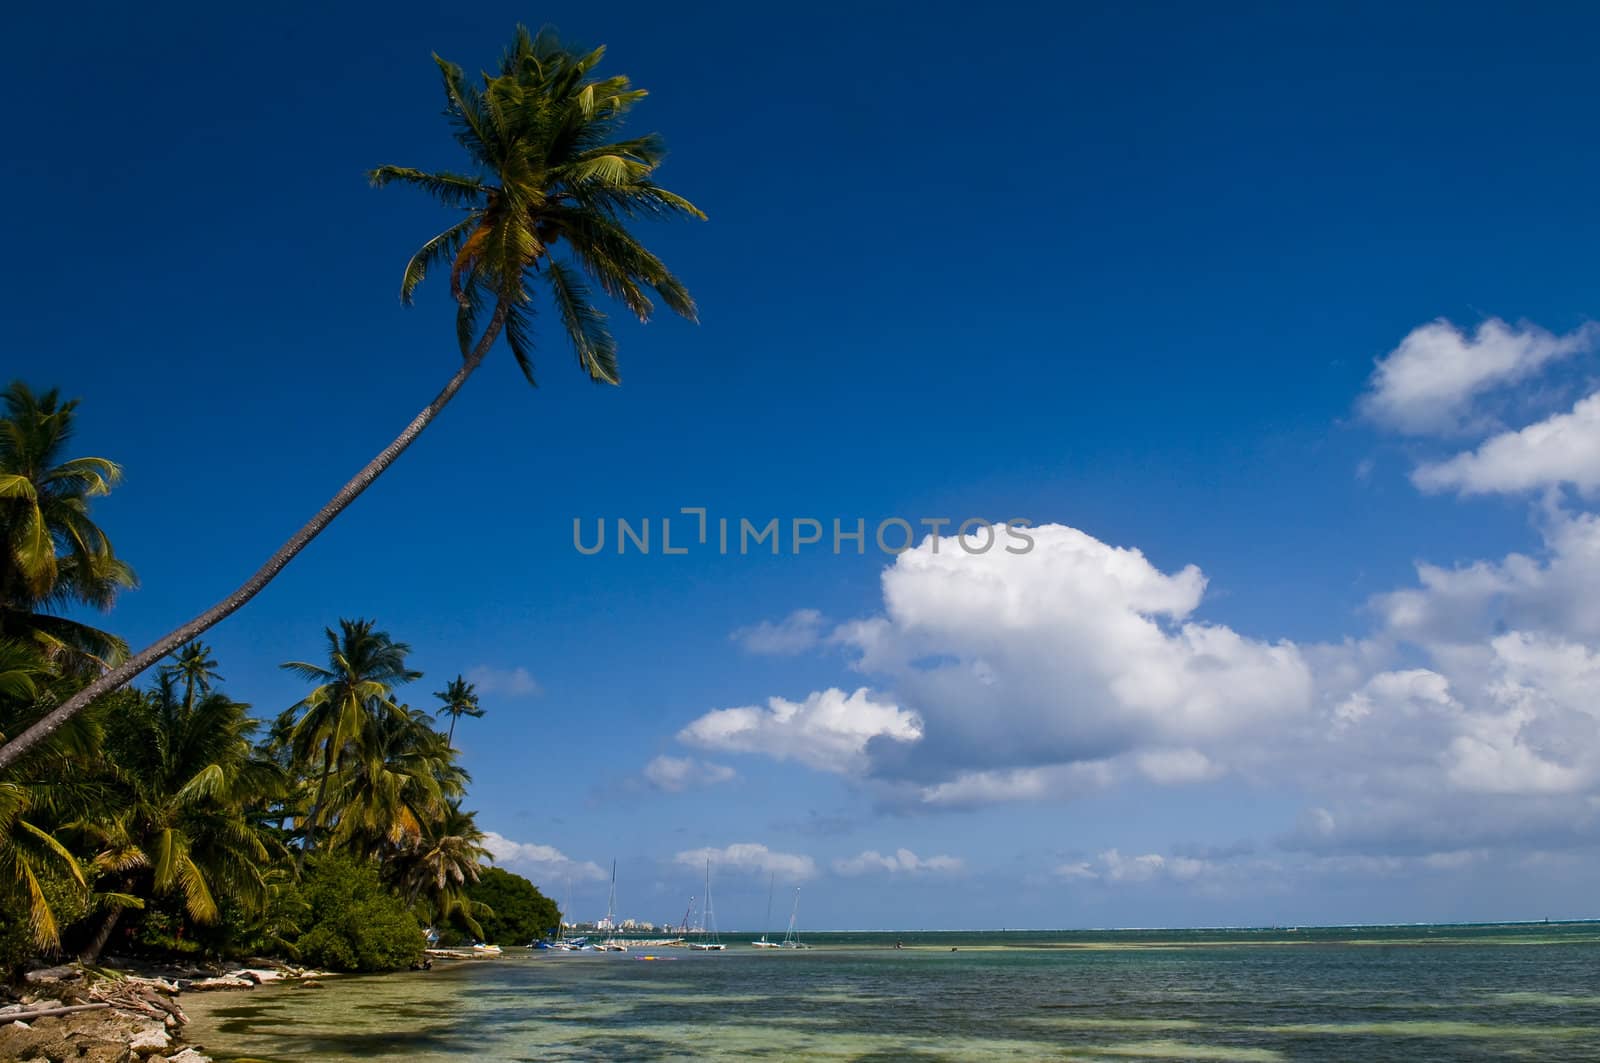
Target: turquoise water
1417, 993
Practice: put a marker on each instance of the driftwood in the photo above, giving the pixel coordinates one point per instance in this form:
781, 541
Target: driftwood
45, 1013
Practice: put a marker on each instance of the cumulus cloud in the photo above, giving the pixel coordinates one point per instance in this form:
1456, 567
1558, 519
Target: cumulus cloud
750, 857
507, 682
676, 774
801, 630
1563, 449
544, 864
1029, 672
899, 862
1427, 384
828, 731
1556, 593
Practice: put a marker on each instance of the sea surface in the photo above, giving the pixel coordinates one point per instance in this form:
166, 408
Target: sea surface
1361, 993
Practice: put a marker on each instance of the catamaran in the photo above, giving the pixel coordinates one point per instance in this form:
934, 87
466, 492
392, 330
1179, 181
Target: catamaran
764, 943
791, 940
708, 941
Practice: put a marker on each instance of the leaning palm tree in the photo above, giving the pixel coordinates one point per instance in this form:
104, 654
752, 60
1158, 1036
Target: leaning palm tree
327, 727
52, 555
549, 189
460, 699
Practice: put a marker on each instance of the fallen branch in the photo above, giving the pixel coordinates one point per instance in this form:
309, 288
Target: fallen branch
45, 1013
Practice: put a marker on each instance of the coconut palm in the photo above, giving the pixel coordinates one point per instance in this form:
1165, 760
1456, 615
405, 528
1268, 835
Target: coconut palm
188, 775
434, 870
325, 729
398, 782
460, 699
52, 555
32, 861
547, 171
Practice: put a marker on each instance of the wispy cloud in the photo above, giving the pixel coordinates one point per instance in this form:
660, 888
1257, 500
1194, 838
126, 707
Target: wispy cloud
506, 682
801, 630
899, 862
676, 774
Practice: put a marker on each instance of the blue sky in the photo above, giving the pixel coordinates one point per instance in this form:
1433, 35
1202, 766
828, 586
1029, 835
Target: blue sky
1135, 274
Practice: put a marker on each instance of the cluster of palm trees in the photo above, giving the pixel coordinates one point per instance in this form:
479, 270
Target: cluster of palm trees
174, 798
118, 805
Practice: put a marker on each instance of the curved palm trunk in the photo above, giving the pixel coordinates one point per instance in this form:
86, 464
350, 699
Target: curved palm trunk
116, 677
451, 739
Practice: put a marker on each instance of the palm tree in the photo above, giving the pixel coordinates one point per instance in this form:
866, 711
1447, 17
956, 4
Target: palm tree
52, 555
548, 169
189, 774
325, 728
397, 784
460, 699
434, 870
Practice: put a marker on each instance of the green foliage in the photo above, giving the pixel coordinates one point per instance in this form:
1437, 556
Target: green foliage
352, 922
551, 169
52, 555
520, 913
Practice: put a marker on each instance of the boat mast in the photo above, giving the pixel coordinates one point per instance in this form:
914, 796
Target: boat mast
771, 884
794, 915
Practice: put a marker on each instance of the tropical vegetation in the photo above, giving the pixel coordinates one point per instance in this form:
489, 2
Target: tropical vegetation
542, 206
174, 817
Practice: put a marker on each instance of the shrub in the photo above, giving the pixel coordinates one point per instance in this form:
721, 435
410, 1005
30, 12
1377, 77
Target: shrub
520, 912
353, 923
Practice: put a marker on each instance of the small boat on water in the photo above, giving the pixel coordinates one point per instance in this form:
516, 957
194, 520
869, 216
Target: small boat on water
764, 943
708, 941
480, 949
611, 944
791, 940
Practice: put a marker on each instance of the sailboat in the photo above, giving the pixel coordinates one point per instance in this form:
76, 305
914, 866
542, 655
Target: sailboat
764, 943
611, 944
791, 939
708, 942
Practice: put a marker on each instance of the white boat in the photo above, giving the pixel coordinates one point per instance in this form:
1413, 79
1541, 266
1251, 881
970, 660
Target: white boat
708, 942
791, 940
611, 944
764, 943
480, 949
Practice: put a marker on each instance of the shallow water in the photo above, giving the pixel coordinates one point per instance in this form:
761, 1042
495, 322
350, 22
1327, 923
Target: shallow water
1433, 993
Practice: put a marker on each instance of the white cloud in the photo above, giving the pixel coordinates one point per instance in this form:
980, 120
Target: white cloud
1558, 594
1427, 384
1112, 868
750, 857
801, 630
1563, 449
828, 731
1030, 671
899, 862
676, 774
546, 865
509, 682
972, 789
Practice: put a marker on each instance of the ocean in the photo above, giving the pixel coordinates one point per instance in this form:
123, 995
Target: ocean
1528, 991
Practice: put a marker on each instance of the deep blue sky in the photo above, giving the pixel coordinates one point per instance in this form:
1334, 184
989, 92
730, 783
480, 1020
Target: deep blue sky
1122, 269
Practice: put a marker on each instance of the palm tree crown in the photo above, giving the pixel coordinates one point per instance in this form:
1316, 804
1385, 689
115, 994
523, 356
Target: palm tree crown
460, 699
542, 137
364, 668
52, 555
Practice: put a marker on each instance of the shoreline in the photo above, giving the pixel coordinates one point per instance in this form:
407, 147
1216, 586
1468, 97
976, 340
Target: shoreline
123, 1011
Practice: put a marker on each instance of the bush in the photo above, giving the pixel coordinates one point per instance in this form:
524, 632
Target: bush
521, 913
353, 923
